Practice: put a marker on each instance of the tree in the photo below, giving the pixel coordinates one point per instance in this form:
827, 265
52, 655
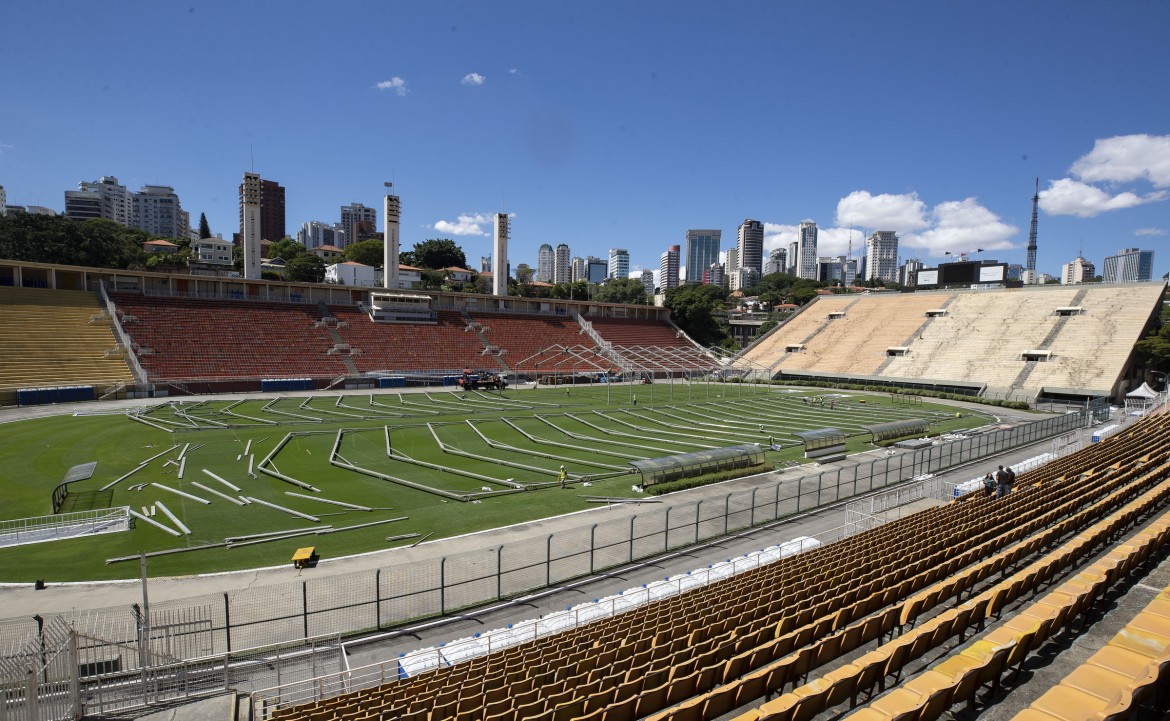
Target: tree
693, 308
305, 268
366, 252
204, 228
437, 253
286, 248
622, 290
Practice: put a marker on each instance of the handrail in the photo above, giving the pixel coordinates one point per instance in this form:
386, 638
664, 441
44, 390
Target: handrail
136, 368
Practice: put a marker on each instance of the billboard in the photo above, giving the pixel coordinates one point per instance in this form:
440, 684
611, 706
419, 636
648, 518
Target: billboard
992, 273
928, 277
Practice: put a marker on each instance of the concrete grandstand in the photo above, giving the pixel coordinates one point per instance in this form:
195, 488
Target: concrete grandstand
1045, 341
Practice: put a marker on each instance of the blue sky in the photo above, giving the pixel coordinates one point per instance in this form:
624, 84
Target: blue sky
615, 124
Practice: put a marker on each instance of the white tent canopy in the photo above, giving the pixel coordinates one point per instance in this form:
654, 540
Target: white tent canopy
1143, 392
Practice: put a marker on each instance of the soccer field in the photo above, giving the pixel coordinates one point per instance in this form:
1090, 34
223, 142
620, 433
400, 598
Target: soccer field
357, 469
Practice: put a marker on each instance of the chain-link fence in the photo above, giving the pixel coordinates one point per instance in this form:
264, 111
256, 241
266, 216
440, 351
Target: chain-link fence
386, 597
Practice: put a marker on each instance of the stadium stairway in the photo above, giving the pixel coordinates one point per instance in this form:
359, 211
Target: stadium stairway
706, 652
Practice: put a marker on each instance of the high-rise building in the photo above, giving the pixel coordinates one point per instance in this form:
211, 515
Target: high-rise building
271, 209
357, 220
702, 251
3, 202
793, 257
545, 263
741, 278
619, 263
647, 281
250, 232
881, 253
668, 268
1078, 271
158, 212
485, 264
806, 252
732, 262
596, 269
500, 255
777, 261
751, 246
391, 244
1128, 266
563, 264
714, 275
314, 234
103, 198
580, 270
908, 273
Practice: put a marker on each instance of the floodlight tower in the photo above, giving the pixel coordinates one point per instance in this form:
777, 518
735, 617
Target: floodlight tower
390, 241
1031, 262
500, 256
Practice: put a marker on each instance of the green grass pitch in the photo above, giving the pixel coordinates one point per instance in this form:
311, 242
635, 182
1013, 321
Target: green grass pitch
498, 442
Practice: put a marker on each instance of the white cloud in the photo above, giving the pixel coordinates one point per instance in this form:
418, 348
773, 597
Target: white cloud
513, 71
900, 213
464, 225
473, 79
961, 226
1154, 232
1071, 197
395, 83
1126, 158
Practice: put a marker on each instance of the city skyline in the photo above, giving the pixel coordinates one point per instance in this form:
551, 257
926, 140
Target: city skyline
477, 110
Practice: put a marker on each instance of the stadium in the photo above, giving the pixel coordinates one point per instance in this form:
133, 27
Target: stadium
519, 508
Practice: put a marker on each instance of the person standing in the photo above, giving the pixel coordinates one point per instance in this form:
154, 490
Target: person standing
1001, 483
1011, 479
564, 478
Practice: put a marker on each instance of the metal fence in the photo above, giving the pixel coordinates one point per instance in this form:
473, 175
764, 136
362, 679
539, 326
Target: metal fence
386, 597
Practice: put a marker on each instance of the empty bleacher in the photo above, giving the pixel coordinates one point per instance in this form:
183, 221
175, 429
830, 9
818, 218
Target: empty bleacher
47, 339
857, 342
623, 333
444, 345
193, 339
908, 588
523, 337
984, 338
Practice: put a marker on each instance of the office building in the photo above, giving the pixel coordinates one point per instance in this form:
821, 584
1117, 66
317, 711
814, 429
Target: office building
751, 246
563, 264
1078, 271
881, 254
1128, 266
156, 210
596, 269
732, 262
103, 198
3, 202
545, 263
356, 220
668, 268
702, 251
647, 281
806, 251
314, 234
485, 264
580, 271
777, 261
908, 273
619, 263
793, 255
500, 268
